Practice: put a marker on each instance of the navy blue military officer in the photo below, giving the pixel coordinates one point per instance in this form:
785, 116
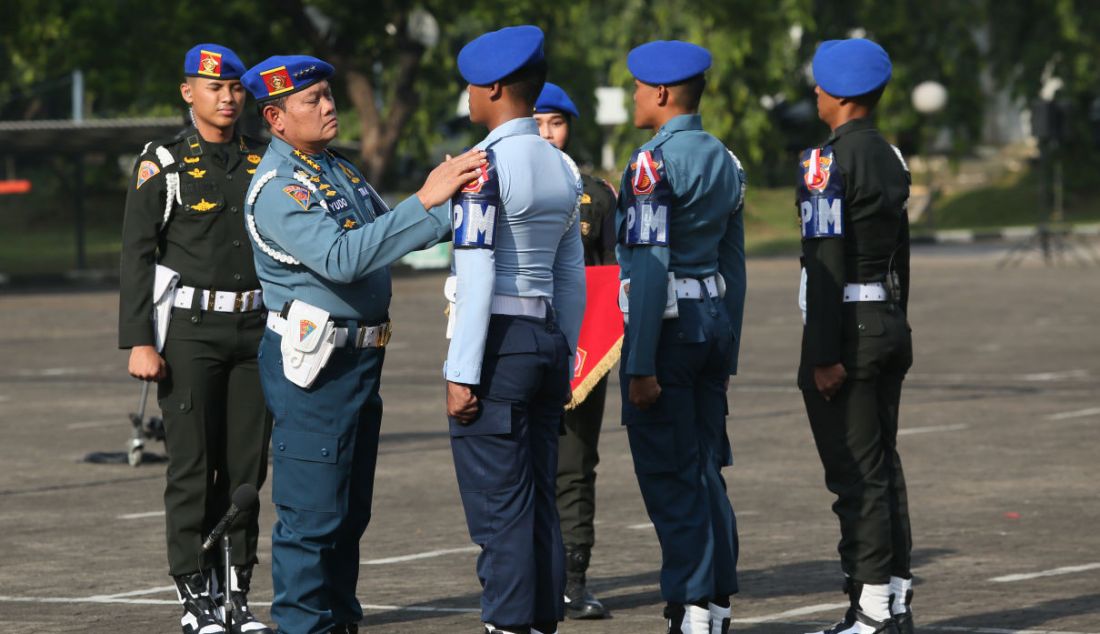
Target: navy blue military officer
518, 303
682, 262
323, 242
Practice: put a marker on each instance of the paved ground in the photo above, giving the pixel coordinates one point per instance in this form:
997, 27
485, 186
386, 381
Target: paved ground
1001, 421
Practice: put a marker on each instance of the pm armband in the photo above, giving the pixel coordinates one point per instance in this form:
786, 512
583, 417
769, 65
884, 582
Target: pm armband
476, 208
821, 195
648, 201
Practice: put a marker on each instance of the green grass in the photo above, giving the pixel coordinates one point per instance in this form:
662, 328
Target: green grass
1012, 202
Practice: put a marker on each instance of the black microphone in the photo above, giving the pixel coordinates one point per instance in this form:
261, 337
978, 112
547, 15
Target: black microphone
243, 499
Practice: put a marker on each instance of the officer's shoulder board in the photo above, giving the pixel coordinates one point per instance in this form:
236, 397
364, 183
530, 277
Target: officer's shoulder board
648, 199
476, 207
821, 194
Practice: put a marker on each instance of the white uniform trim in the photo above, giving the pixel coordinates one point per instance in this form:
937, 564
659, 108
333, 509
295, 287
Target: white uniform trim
580, 193
171, 179
261, 244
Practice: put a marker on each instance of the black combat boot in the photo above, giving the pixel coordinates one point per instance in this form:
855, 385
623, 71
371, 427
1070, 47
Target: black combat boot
579, 603
243, 621
856, 620
200, 612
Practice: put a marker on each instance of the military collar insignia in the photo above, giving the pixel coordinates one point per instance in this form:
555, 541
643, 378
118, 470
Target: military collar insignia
250, 170
194, 145
254, 159
307, 161
197, 173
243, 145
350, 174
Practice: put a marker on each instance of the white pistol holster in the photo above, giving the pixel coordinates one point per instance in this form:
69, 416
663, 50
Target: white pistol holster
307, 343
672, 309
164, 294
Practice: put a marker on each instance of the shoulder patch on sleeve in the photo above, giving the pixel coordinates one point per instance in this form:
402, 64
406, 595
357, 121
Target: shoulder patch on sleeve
474, 209
647, 199
299, 194
146, 170
821, 194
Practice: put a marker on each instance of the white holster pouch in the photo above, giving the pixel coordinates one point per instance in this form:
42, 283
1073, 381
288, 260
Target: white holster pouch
165, 281
672, 309
802, 296
307, 343
450, 288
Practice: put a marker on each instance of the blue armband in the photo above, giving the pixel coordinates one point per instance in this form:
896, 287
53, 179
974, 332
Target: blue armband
648, 201
821, 195
475, 207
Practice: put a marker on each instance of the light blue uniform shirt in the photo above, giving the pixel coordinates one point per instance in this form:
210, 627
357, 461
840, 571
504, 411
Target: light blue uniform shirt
536, 248
702, 231
344, 251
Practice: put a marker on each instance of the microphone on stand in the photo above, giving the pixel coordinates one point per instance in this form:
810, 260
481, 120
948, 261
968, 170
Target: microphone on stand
244, 498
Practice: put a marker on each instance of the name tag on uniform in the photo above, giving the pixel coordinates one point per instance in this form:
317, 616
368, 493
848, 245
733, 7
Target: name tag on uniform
475, 208
648, 201
821, 195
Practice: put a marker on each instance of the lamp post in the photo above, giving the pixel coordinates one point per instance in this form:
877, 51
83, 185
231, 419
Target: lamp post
929, 98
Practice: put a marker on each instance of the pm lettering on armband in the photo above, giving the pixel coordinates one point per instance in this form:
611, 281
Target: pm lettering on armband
648, 201
474, 209
822, 217
647, 224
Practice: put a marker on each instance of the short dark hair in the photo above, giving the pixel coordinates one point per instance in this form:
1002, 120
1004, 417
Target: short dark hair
278, 102
690, 91
869, 100
526, 83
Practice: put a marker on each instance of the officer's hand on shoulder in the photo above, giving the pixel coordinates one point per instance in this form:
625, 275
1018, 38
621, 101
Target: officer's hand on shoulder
146, 364
450, 176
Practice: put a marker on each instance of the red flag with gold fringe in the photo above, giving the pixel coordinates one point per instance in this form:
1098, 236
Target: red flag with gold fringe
601, 339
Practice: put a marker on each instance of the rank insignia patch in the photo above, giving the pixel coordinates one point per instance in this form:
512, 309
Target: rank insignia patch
254, 159
210, 64
203, 205
350, 224
299, 194
191, 159
586, 199
314, 165
277, 81
251, 170
196, 173
305, 329
146, 170
350, 174
646, 174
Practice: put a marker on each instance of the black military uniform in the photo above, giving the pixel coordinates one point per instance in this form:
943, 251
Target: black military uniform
855, 246
578, 453
217, 427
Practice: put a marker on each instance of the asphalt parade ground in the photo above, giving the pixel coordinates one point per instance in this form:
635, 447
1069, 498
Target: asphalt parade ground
1000, 430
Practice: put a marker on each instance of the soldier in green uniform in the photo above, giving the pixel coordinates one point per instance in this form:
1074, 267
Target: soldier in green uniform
190, 313
856, 343
577, 448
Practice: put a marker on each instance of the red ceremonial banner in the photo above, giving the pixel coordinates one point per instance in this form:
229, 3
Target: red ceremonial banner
601, 339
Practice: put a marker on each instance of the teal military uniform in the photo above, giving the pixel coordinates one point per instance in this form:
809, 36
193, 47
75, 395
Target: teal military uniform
323, 237
692, 355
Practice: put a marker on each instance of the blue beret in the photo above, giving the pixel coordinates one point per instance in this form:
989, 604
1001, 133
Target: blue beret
553, 99
667, 61
213, 61
850, 68
497, 54
284, 75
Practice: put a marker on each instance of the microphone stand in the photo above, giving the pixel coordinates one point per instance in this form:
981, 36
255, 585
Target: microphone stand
227, 554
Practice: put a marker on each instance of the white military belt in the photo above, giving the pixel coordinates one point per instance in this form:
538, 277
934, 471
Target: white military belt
691, 288
364, 336
519, 306
873, 292
220, 301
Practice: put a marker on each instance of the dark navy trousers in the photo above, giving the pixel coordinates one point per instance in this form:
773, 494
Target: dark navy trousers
506, 464
324, 446
679, 446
